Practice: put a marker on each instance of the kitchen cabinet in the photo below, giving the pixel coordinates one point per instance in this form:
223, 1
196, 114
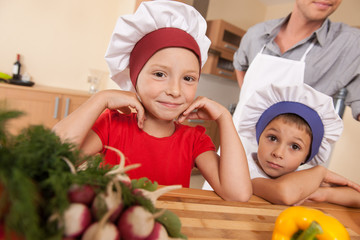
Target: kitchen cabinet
225, 40
41, 105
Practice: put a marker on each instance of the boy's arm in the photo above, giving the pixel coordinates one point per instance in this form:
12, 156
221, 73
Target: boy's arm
228, 174
76, 128
333, 178
291, 188
345, 196
338, 190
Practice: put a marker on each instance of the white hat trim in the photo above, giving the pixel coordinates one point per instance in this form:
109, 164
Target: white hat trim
321, 103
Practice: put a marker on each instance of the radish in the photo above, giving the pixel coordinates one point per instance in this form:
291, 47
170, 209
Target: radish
103, 202
76, 219
153, 196
81, 194
4, 204
159, 233
102, 230
83, 166
137, 223
120, 169
70, 164
108, 232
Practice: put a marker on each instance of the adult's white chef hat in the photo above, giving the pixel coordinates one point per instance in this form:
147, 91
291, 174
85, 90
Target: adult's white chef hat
314, 107
158, 24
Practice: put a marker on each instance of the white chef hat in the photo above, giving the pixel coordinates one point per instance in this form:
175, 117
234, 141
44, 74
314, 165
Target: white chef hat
314, 107
155, 25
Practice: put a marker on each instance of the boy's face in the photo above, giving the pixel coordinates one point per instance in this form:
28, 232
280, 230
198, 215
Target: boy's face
167, 83
282, 147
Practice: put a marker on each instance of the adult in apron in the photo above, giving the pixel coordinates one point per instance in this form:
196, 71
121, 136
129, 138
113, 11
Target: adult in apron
266, 69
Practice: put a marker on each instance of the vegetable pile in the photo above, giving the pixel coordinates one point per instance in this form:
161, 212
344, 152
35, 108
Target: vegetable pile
48, 190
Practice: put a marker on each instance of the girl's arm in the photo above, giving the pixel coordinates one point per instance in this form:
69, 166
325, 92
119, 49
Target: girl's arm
76, 128
290, 188
228, 174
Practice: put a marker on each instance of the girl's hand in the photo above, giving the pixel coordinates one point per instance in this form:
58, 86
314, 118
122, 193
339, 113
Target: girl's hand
333, 178
125, 102
205, 109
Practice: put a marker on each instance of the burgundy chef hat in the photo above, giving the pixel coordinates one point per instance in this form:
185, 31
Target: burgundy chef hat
154, 26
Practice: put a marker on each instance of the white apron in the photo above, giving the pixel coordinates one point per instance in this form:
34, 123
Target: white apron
266, 69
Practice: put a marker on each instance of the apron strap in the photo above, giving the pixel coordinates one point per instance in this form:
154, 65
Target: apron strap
308, 50
262, 49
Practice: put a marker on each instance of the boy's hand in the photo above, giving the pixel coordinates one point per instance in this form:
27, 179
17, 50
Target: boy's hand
333, 178
205, 109
320, 195
124, 101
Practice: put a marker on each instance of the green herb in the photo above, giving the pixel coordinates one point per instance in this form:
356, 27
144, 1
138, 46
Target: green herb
130, 198
144, 183
5, 116
36, 179
172, 224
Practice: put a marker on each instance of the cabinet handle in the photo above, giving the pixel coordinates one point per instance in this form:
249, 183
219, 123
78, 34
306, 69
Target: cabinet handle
214, 52
225, 73
56, 109
230, 47
67, 107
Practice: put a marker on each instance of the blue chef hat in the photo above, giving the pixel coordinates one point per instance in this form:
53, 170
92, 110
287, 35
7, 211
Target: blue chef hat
314, 107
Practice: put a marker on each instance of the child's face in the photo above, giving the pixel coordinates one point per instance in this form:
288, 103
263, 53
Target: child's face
167, 83
282, 147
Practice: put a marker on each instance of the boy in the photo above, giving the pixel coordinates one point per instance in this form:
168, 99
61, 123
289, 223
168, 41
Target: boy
164, 45
295, 125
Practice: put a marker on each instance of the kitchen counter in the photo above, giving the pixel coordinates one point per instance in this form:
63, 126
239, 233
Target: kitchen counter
204, 215
47, 89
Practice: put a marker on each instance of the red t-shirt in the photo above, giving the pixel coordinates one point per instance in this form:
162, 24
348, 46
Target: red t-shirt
167, 160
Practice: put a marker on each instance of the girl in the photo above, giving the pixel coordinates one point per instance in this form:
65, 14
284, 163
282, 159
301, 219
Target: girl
164, 46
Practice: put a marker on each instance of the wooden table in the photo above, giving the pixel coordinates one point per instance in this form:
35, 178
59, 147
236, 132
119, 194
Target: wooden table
204, 215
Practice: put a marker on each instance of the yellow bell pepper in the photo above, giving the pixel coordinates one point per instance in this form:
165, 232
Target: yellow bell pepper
293, 219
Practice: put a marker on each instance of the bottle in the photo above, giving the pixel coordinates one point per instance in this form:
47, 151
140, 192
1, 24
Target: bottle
16, 68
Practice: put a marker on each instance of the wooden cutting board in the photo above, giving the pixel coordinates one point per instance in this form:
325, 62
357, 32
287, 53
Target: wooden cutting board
208, 217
